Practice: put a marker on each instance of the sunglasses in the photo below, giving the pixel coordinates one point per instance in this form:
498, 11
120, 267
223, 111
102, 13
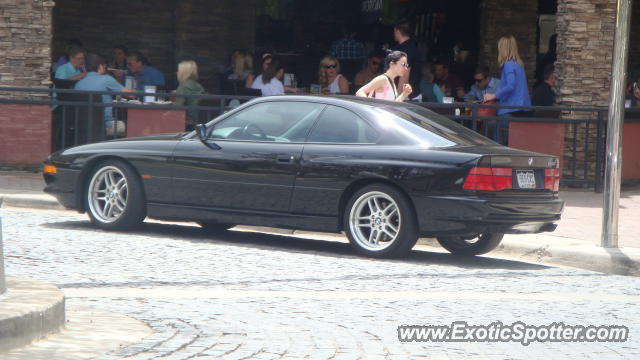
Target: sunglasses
404, 65
332, 66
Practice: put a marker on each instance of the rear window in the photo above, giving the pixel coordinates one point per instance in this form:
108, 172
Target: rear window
424, 127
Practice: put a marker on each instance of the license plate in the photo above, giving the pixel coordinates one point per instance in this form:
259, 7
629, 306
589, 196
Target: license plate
526, 179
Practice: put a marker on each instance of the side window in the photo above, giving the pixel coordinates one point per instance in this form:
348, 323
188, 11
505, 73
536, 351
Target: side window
278, 121
338, 125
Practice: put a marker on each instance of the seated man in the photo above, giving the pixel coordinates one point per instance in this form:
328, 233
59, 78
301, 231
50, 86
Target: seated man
72, 70
484, 84
371, 71
143, 73
450, 84
96, 80
543, 94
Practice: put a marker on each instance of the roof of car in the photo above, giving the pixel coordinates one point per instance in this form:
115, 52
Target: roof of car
344, 100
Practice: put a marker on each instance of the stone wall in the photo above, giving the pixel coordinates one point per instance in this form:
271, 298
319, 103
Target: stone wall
508, 17
166, 31
25, 36
585, 49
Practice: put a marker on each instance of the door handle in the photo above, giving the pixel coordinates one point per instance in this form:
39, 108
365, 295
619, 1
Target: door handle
285, 159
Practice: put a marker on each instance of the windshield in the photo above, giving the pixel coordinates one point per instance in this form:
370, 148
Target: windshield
426, 128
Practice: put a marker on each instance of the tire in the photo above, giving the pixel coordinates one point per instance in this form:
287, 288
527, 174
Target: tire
213, 227
478, 245
380, 222
114, 196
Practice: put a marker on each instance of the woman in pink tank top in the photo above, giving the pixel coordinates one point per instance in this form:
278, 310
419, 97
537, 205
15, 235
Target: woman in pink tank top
383, 86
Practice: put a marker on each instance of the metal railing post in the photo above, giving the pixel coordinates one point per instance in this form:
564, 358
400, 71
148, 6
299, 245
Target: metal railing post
90, 118
599, 143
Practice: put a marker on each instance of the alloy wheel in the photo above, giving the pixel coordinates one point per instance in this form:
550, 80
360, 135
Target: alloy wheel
375, 221
108, 194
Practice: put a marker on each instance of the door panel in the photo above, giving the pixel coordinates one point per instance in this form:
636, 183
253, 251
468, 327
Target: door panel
256, 163
241, 175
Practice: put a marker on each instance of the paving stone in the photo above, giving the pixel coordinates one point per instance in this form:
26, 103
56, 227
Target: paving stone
243, 295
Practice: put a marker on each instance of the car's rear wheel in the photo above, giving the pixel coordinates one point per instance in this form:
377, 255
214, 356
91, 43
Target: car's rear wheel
214, 227
471, 245
379, 222
114, 196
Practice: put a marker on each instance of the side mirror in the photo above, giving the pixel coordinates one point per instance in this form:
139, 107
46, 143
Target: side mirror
201, 130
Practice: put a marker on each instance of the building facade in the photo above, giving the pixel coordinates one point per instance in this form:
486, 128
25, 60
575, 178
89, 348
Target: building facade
33, 35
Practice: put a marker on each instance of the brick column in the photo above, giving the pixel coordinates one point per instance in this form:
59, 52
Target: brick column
25, 37
508, 17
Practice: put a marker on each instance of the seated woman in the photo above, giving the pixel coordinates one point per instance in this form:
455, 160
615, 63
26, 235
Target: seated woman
251, 77
188, 85
241, 65
267, 82
330, 78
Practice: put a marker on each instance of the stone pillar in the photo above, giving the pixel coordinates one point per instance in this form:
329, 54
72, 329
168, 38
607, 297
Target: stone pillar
508, 17
25, 60
25, 38
585, 47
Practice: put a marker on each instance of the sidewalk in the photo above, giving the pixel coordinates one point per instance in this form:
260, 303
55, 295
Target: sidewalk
576, 241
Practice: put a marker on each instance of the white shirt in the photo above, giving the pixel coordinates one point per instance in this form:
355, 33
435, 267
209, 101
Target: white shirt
274, 87
334, 87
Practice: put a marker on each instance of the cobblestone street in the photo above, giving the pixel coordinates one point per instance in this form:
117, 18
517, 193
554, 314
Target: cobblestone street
244, 295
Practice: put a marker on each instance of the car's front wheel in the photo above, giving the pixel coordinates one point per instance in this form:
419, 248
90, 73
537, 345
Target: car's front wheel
471, 245
379, 222
114, 196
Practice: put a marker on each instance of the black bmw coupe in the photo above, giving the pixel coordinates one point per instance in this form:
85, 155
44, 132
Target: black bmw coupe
383, 172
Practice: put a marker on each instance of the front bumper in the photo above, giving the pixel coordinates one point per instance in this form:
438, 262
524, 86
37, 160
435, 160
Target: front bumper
63, 186
468, 215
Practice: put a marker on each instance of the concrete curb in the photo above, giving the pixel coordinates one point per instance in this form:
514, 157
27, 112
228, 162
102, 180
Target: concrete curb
43, 201
88, 333
555, 251
29, 310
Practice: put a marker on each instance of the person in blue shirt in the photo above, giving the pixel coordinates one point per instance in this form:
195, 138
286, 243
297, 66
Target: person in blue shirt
484, 83
97, 80
143, 73
514, 90
73, 69
430, 91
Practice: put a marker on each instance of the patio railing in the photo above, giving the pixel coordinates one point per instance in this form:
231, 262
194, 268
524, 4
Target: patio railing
78, 118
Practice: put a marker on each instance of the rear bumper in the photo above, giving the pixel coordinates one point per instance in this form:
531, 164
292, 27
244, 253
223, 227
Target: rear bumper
457, 215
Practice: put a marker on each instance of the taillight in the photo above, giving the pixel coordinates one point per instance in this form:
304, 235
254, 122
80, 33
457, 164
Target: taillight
489, 179
552, 179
